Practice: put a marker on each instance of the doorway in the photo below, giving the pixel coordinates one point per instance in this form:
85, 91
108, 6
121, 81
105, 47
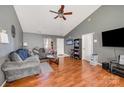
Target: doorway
60, 46
87, 46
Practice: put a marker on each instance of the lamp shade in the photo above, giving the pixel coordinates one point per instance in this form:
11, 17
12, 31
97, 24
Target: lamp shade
25, 44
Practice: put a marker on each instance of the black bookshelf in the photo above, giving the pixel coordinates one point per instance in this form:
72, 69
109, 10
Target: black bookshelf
77, 48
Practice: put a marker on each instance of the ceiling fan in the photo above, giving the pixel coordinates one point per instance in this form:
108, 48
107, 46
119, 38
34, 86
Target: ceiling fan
61, 13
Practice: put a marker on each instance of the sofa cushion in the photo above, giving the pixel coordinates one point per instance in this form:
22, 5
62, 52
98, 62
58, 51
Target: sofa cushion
32, 58
15, 57
42, 53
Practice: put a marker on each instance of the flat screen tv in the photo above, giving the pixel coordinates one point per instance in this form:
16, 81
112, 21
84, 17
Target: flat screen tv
113, 38
69, 42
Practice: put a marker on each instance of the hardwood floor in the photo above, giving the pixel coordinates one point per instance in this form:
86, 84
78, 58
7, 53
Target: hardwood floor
71, 73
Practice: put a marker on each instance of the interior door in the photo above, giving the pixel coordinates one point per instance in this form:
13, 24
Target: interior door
60, 46
87, 46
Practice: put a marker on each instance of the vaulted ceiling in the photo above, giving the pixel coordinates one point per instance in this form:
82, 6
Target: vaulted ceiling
38, 19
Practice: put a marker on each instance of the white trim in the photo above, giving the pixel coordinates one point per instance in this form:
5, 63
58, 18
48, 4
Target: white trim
3, 83
67, 55
86, 60
64, 55
99, 64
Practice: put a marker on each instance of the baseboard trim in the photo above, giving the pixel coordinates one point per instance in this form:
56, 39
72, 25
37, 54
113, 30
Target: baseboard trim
3, 83
99, 64
67, 55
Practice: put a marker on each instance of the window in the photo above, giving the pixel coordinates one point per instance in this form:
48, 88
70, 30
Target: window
4, 37
47, 43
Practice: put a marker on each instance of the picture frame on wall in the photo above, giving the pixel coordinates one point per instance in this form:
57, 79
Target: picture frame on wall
13, 32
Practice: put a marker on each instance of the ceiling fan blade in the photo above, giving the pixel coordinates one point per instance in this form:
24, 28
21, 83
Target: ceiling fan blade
53, 12
64, 18
68, 13
56, 17
61, 9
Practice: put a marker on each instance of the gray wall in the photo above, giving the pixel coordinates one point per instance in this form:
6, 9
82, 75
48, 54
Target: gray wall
103, 19
7, 18
36, 40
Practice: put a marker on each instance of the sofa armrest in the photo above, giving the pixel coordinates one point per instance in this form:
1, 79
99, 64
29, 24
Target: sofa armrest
18, 65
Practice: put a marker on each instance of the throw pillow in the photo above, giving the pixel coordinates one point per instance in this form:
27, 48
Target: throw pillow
15, 57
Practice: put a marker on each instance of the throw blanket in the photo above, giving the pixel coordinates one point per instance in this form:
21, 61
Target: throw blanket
23, 53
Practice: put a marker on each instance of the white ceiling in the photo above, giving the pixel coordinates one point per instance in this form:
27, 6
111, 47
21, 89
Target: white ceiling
38, 19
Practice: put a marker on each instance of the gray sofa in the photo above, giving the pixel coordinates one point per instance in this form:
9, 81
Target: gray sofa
18, 68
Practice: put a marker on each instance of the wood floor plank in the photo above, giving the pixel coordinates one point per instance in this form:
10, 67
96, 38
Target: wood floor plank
71, 73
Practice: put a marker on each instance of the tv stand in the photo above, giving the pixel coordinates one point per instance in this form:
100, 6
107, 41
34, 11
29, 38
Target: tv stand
117, 68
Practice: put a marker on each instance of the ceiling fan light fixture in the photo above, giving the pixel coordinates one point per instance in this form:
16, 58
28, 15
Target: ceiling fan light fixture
61, 13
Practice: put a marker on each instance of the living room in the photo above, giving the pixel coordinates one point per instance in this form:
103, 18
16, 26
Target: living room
24, 28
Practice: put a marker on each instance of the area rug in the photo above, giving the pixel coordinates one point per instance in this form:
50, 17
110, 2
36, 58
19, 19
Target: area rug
45, 68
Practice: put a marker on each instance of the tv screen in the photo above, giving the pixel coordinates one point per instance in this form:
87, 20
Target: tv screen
69, 42
113, 38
